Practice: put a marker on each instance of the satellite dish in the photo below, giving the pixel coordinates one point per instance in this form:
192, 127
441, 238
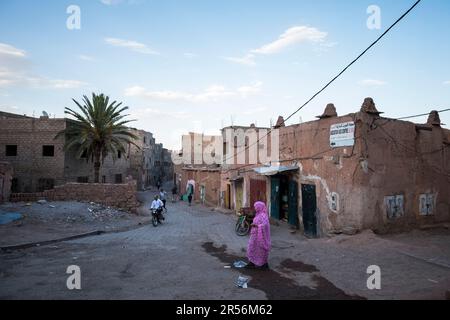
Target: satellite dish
45, 114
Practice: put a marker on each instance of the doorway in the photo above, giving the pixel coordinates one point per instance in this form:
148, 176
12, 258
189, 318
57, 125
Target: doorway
239, 194
309, 208
284, 199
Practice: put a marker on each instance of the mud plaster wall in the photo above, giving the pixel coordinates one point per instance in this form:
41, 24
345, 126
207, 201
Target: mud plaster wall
400, 160
208, 178
331, 170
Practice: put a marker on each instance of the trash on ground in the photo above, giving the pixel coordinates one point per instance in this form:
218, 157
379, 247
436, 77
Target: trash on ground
242, 282
42, 201
239, 264
227, 267
51, 206
8, 217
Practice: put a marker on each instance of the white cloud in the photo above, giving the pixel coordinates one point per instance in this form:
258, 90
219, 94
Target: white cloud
372, 83
154, 112
248, 60
212, 93
190, 55
111, 2
6, 49
15, 71
131, 45
86, 58
249, 112
251, 89
291, 37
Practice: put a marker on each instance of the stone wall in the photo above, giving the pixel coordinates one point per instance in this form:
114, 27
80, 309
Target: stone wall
122, 196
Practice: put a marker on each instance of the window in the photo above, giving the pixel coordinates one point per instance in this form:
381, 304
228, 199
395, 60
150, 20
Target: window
11, 150
48, 151
103, 179
119, 154
394, 206
83, 179
84, 154
334, 202
118, 178
426, 203
145, 140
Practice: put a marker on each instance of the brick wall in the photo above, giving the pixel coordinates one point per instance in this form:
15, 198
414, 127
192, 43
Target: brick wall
115, 195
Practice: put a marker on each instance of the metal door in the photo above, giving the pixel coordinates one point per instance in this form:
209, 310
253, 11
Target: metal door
309, 208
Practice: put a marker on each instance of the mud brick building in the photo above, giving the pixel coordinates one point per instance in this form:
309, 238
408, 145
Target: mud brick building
344, 174
40, 162
360, 171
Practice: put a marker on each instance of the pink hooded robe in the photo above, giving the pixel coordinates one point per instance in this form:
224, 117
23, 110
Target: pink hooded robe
259, 243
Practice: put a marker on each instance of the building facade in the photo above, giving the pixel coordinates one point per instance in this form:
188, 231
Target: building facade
343, 174
40, 161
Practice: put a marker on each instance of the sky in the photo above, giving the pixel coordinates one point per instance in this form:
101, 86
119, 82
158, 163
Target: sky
200, 65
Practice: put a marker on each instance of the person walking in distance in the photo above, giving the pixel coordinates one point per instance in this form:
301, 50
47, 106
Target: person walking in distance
162, 196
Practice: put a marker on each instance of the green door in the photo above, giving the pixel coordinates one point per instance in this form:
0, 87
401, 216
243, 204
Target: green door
275, 198
293, 203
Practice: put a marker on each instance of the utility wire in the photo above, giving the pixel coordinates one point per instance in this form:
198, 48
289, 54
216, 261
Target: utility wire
420, 115
335, 78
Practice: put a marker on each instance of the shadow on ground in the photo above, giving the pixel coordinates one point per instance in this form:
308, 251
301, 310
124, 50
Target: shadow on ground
279, 287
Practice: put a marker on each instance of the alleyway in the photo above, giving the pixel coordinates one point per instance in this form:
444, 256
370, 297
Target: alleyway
185, 259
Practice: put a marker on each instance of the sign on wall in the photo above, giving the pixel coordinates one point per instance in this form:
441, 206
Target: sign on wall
342, 135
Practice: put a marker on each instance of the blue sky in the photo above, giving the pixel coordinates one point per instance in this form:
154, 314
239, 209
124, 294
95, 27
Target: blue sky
199, 65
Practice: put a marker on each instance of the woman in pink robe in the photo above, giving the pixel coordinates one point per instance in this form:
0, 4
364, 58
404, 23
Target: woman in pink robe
259, 243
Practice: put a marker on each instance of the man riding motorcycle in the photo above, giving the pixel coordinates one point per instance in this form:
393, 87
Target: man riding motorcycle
158, 205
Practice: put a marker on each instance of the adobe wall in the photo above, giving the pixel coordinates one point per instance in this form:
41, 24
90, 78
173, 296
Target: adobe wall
401, 159
208, 178
115, 195
331, 170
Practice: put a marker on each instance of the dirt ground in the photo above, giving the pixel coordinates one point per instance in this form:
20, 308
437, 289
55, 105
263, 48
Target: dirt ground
55, 220
191, 254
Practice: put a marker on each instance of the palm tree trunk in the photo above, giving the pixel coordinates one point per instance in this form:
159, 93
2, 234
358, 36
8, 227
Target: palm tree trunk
97, 169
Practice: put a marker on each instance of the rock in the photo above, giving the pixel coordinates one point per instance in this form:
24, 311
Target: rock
42, 201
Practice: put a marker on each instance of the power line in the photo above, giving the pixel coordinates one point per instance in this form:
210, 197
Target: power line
421, 115
336, 77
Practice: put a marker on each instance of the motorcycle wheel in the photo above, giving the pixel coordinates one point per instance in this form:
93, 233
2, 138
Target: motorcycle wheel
242, 228
155, 221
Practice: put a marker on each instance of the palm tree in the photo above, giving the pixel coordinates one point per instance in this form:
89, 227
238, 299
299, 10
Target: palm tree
99, 130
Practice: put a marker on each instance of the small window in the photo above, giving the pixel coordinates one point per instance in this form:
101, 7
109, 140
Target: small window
11, 150
394, 206
103, 179
118, 178
119, 154
426, 203
334, 203
48, 151
83, 179
84, 154
145, 140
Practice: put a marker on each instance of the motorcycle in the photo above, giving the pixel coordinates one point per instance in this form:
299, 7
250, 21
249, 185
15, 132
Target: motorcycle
244, 222
157, 216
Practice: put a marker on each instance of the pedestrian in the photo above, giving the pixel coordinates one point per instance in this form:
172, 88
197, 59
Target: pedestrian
174, 193
259, 244
162, 196
190, 193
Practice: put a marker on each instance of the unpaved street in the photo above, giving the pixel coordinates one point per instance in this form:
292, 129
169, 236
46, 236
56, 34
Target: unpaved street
185, 259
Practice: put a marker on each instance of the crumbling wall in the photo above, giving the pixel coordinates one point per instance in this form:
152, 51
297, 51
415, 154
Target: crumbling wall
121, 196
